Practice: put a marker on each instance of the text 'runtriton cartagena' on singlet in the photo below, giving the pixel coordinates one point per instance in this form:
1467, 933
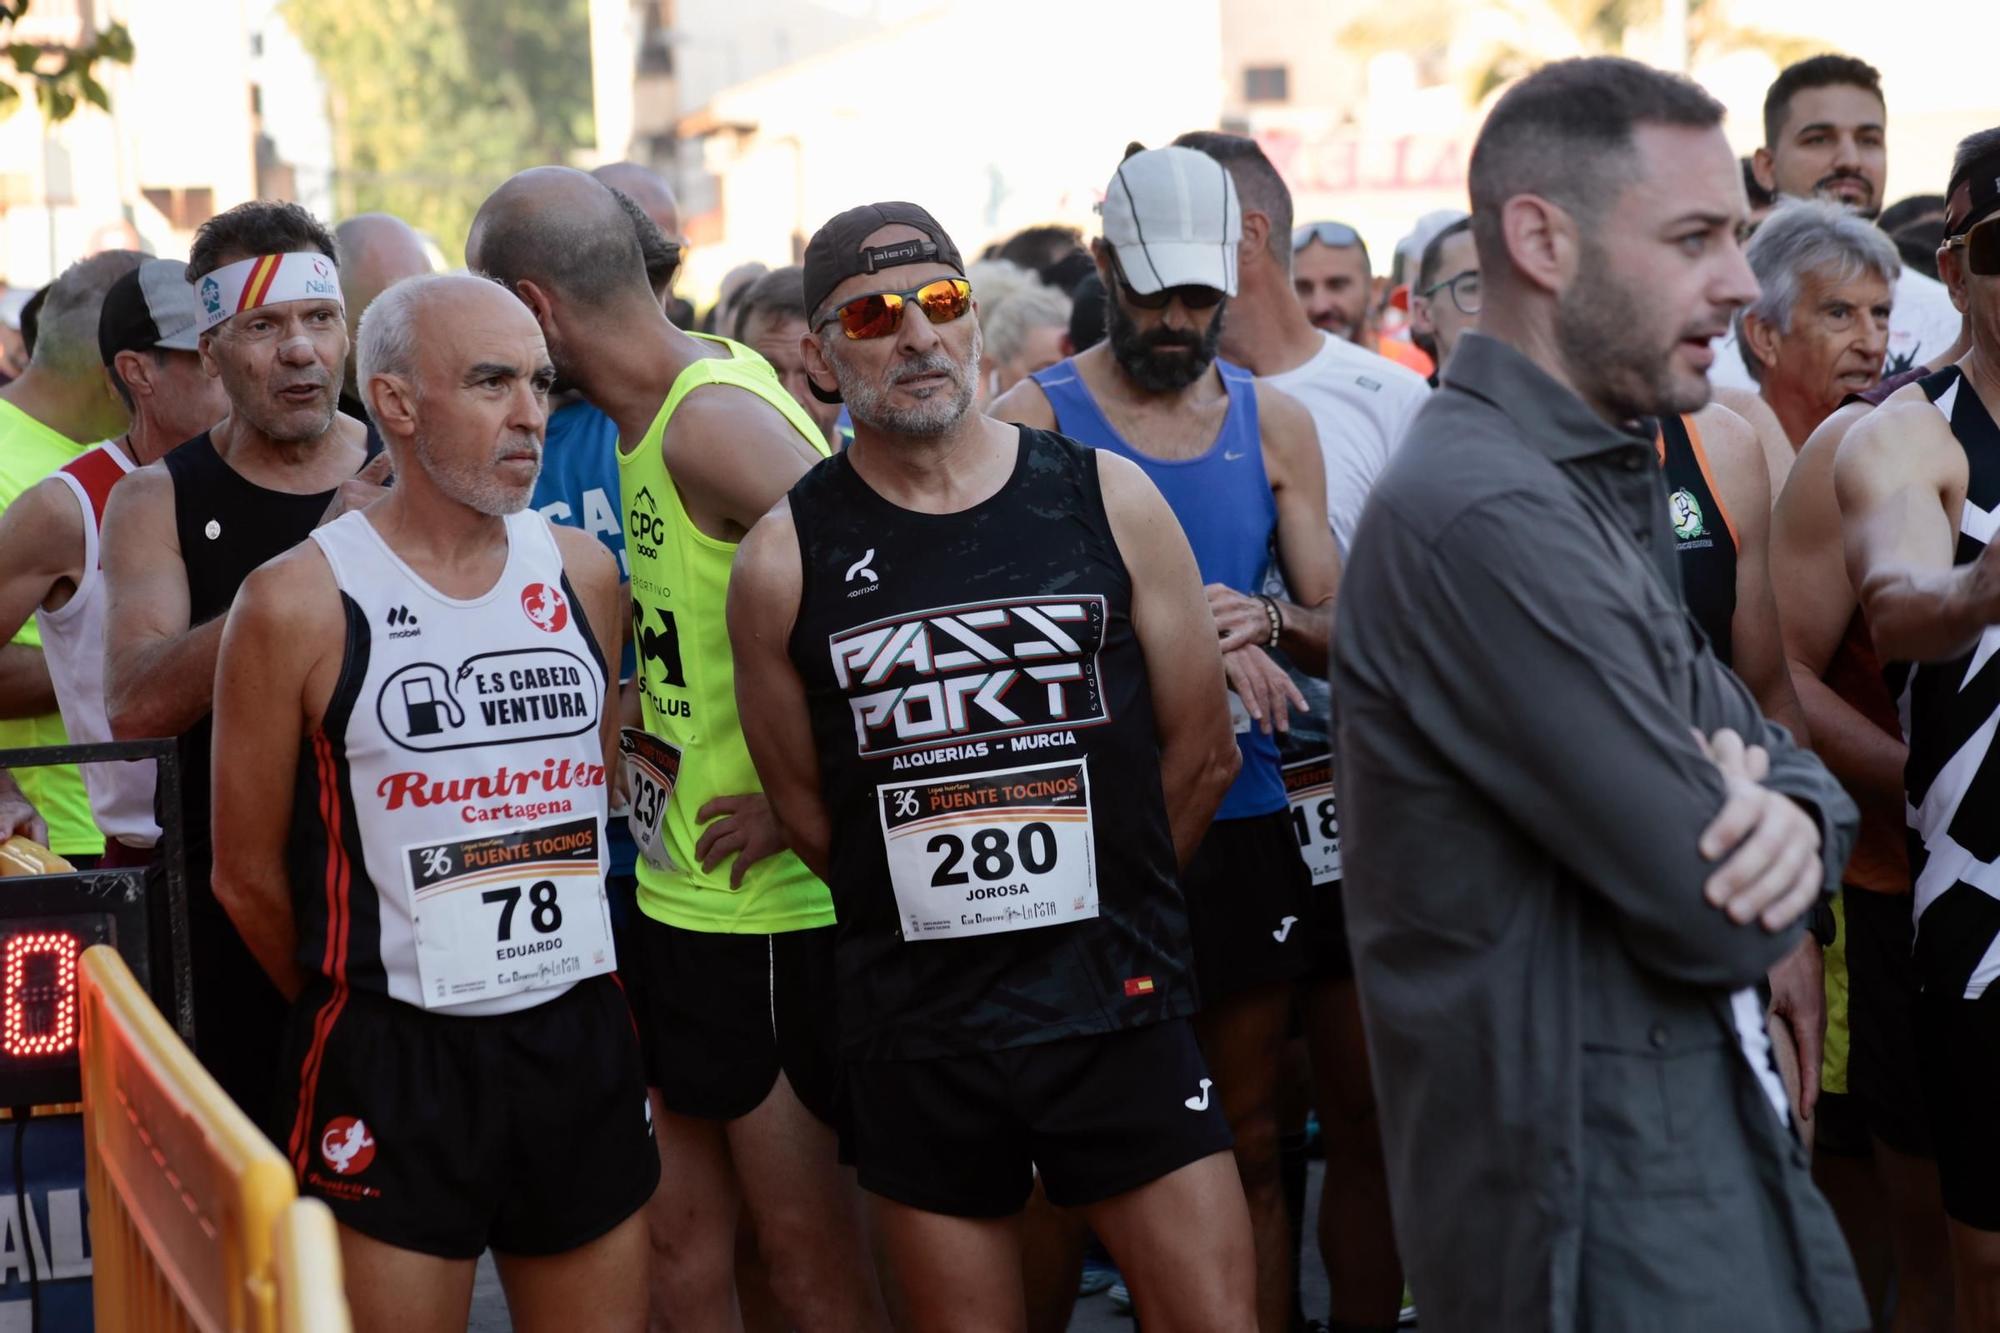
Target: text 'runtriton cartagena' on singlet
691, 749
1223, 500
1950, 712
1703, 532
448, 827
981, 708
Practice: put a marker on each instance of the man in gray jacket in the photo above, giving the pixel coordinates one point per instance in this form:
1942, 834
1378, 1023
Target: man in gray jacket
1573, 846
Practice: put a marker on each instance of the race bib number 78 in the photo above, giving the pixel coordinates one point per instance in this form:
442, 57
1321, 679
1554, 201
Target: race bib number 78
508, 912
981, 853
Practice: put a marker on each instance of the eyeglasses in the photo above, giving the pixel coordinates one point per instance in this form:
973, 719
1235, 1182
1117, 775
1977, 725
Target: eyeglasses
1464, 289
1191, 296
1332, 235
1982, 248
879, 314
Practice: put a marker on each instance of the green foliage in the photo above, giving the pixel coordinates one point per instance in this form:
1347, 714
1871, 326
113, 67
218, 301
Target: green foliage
61, 75
435, 102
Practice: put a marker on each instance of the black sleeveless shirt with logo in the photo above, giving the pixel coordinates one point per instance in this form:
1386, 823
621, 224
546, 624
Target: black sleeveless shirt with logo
1001, 865
227, 527
1952, 778
1702, 530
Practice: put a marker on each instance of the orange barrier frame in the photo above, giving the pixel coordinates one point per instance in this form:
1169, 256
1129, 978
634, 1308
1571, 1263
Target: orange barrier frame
195, 1222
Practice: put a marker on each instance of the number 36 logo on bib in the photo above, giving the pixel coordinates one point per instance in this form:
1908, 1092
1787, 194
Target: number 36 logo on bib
981, 853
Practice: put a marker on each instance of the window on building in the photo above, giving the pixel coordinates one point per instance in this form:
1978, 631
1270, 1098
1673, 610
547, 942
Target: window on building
1266, 83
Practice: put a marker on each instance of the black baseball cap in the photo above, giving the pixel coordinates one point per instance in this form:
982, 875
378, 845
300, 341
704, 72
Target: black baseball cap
1974, 193
151, 306
836, 254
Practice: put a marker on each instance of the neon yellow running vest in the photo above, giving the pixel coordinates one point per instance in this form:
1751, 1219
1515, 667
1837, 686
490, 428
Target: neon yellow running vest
29, 451
680, 585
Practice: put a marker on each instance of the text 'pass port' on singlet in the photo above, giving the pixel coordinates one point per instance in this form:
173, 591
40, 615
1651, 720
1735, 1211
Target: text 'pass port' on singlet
448, 828
1001, 861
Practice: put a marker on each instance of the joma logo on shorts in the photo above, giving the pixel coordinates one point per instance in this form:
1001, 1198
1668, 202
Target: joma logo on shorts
986, 669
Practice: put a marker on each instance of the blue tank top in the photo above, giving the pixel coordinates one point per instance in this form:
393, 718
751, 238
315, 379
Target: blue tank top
1223, 501
578, 488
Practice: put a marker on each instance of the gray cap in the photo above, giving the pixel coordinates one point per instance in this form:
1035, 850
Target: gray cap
152, 306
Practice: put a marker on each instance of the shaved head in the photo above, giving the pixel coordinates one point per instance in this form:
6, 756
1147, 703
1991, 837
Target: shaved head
563, 231
648, 189
374, 251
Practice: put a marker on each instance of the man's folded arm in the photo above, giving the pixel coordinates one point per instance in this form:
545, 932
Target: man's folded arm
1541, 672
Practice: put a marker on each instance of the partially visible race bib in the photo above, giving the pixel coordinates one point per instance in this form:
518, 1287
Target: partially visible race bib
652, 767
982, 853
1315, 821
508, 912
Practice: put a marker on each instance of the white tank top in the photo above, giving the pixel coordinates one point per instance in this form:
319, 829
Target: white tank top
448, 832
121, 793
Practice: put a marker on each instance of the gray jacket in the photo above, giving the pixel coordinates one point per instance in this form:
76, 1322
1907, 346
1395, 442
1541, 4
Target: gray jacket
1575, 1137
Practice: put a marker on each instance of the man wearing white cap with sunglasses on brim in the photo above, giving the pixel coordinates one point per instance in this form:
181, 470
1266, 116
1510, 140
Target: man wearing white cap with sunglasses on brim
1239, 463
181, 535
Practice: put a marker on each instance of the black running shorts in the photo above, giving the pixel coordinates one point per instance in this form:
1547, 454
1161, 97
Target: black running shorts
1882, 994
527, 1132
1097, 1116
1959, 1051
725, 1013
1248, 896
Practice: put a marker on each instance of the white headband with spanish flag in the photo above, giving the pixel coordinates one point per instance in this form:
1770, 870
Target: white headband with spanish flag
265, 280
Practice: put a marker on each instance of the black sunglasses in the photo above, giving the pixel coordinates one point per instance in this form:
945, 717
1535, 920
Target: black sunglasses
1192, 296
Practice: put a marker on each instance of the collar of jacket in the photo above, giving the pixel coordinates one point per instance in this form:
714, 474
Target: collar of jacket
1552, 418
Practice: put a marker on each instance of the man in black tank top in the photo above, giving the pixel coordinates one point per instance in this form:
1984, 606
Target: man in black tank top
965, 667
182, 534
1918, 483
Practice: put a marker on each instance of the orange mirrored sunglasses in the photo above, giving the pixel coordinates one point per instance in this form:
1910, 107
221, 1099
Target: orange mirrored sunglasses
879, 314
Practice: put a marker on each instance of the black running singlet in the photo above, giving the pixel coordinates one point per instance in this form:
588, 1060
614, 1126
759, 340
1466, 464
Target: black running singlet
1706, 537
1002, 868
1952, 779
227, 527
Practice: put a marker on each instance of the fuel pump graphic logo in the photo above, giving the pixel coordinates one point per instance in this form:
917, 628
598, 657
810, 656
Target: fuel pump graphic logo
417, 704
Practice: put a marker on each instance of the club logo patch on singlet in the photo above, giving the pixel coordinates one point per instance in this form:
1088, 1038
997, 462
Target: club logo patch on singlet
1022, 668
546, 608
522, 694
1685, 512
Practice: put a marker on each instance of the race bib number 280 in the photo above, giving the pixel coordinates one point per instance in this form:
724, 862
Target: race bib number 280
981, 853
508, 912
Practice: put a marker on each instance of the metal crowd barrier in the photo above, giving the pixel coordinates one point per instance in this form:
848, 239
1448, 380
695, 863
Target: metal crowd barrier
195, 1223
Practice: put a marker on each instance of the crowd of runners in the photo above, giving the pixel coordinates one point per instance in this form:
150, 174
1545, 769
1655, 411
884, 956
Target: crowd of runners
868, 816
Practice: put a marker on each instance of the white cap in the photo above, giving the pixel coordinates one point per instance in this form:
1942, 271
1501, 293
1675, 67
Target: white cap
1172, 217
1411, 247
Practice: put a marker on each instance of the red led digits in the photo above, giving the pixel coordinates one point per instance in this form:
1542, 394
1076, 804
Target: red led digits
38, 1005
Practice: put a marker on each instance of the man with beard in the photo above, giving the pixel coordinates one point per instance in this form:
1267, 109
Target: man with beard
735, 933
1915, 485
415, 707
1013, 977
181, 535
1239, 463
1825, 137
1572, 845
